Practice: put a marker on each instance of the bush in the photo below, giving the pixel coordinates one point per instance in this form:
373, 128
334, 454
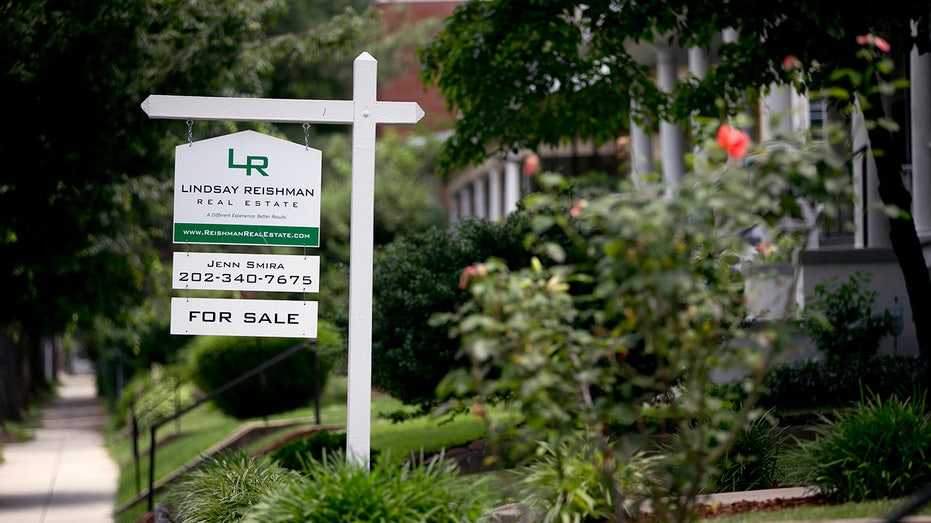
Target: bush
284, 386
752, 461
414, 277
840, 319
338, 490
155, 395
224, 487
566, 484
877, 450
293, 454
822, 384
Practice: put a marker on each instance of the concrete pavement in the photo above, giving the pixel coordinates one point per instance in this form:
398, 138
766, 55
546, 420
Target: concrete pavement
64, 474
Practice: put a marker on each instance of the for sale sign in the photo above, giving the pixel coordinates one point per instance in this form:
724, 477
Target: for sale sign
247, 188
234, 317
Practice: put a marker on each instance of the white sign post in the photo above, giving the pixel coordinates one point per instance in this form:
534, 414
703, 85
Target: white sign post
363, 112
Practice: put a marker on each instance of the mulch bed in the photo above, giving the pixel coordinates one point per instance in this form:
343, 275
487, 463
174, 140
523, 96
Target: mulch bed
740, 507
712, 511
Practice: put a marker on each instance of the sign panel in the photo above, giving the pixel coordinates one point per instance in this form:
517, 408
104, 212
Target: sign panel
245, 272
235, 317
247, 188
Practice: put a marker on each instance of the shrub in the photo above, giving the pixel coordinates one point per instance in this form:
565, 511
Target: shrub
877, 450
414, 277
284, 386
820, 384
752, 461
224, 487
155, 395
840, 318
293, 454
567, 485
338, 490
622, 342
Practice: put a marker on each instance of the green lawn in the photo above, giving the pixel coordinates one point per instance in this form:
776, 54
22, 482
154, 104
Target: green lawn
206, 426
869, 509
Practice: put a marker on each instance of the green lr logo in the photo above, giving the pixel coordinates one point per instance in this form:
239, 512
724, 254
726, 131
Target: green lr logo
259, 163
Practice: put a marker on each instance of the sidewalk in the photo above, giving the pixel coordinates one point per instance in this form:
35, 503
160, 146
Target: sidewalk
64, 474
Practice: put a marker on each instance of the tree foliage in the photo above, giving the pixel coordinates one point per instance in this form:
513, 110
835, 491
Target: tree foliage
521, 77
84, 217
85, 232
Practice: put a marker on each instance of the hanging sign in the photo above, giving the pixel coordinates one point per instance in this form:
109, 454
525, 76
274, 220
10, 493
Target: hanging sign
245, 272
235, 317
247, 188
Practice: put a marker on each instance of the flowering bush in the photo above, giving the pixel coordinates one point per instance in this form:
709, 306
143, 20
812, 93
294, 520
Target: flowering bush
620, 344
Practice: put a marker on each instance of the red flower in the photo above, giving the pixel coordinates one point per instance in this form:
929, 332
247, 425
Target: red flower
870, 39
467, 273
882, 45
577, 208
531, 165
791, 63
734, 141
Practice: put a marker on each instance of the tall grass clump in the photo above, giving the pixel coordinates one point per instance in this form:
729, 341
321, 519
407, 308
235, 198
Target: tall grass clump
335, 489
752, 461
224, 488
879, 449
566, 484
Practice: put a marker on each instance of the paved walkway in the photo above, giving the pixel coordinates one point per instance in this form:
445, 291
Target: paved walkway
64, 474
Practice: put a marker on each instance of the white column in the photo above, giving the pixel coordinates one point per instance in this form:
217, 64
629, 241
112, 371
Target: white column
698, 67
494, 193
698, 62
801, 110
672, 144
920, 87
859, 195
453, 199
641, 149
729, 35
465, 203
480, 205
511, 186
875, 232
777, 117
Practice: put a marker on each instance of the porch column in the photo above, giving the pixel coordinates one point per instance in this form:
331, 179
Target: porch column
672, 144
777, 117
452, 198
465, 202
698, 67
641, 149
875, 231
511, 185
480, 203
494, 193
698, 62
920, 90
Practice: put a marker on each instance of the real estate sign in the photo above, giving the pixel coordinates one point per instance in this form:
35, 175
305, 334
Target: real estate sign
234, 317
246, 272
247, 188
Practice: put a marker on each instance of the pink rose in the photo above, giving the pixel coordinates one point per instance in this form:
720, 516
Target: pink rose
871, 39
734, 141
790, 63
467, 274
